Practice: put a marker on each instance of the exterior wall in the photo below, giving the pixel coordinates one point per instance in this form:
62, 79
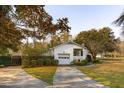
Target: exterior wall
68, 49
85, 53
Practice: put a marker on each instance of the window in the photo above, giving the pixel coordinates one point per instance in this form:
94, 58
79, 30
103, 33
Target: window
67, 57
81, 52
77, 52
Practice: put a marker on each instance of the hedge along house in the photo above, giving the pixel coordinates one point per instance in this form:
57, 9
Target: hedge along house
67, 52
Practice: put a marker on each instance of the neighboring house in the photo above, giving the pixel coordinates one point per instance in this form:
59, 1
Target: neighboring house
67, 52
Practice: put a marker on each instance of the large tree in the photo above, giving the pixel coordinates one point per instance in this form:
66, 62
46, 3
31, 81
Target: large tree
10, 36
36, 19
97, 41
22, 22
109, 43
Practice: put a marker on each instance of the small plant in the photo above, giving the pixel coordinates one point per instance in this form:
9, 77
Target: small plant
25, 62
40, 62
33, 63
1, 66
79, 63
72, 63
84, 62
55, 62
37, 61
97, 61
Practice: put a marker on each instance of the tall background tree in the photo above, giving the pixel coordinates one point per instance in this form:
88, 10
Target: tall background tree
64, 29
62, 33
109, 42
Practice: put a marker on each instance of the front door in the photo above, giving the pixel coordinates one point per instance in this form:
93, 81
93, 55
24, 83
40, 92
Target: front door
64, 59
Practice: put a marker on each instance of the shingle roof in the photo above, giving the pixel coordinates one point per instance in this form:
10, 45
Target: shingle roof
69, 42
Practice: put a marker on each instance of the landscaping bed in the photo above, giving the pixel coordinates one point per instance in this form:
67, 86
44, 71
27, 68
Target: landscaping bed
38, 61
45, 73
108, 73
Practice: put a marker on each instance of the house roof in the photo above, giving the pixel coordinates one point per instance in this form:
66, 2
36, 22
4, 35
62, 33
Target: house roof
69, 42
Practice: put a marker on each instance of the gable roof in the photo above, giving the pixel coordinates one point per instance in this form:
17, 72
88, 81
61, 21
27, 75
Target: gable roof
69, 42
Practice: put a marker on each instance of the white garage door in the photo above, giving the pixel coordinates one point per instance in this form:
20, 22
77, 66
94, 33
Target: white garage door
64, 59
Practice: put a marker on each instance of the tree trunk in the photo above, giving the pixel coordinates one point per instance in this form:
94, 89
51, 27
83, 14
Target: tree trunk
93, 56
34, 42
27, 41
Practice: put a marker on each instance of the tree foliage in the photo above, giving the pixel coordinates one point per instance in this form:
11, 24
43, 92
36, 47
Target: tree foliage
9, 36
4, 51
62, 33
37, 50
62, 24
36, 19
18, 23
120, 21
64, 29
55, 40
97, 41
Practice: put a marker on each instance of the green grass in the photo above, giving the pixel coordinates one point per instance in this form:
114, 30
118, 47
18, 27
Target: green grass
108, 73
45, 74
113, 59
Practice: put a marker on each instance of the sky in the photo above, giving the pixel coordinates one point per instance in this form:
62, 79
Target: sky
86, 17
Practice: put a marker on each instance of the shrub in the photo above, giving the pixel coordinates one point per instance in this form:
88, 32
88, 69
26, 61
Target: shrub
1, 66
97, 61
4, 51
84, 62
55, 62
72, 63
33, 63
47, 62
25, 62
79, 63
40, 62
36, 61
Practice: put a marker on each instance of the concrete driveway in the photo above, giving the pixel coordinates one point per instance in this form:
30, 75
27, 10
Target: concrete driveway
65, 77
15, 77
70, 77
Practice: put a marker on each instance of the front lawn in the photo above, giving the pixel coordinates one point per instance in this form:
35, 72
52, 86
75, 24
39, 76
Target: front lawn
46, 74
108, 73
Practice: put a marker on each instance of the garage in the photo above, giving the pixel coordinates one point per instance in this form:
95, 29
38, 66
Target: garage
66, 52
64, 58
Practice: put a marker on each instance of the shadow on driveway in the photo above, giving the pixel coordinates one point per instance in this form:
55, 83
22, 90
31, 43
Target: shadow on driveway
15, 77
